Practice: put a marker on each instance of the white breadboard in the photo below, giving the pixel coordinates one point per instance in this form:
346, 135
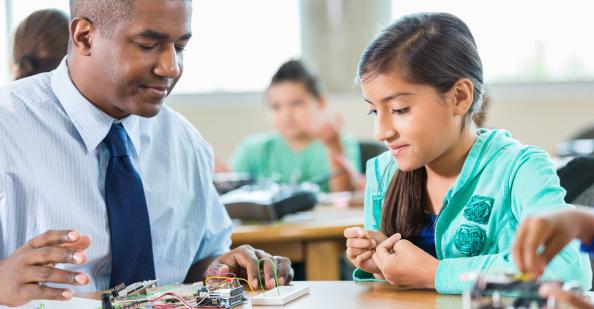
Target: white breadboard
288, 293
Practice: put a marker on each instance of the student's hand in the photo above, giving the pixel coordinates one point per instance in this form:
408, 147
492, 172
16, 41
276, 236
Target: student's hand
553, 231
361, 246
220, 166
23, 272
357, 179
243, 262
572, 299
326, 128
404, 264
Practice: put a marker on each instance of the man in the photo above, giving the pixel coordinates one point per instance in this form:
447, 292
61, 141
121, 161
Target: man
122, 184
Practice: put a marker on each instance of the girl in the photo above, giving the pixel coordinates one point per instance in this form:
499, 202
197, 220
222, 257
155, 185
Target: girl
308, 145
448, 196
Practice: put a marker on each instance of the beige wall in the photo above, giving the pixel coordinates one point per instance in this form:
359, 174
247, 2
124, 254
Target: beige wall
532, 115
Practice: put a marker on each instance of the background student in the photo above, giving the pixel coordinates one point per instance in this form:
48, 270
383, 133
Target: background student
40, 43
307, 144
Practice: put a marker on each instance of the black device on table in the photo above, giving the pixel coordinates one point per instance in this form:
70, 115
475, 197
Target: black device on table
269, 201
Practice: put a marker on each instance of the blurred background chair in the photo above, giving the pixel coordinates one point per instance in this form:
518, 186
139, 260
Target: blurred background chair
577, 178
369, 149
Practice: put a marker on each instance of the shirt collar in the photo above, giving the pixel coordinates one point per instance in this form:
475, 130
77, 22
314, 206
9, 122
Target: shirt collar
91, 123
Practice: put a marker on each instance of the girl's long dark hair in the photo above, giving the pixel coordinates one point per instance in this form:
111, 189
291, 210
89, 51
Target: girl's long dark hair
434, 49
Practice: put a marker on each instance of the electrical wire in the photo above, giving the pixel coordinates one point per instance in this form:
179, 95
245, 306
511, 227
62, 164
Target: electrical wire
275, 275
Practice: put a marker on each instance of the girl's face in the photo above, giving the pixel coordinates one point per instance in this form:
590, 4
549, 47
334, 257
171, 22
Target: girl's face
417, 124
293, 108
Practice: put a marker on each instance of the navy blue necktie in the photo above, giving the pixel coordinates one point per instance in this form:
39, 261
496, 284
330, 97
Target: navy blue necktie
131, 245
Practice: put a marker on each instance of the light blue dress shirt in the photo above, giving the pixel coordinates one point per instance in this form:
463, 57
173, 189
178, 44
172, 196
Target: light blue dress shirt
52, 176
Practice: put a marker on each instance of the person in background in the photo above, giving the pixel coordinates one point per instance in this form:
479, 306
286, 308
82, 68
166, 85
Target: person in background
40, 43
308, 144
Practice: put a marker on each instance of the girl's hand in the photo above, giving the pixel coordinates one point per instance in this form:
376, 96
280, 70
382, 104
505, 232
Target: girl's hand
326, 128
361, 246
404, 264
553, 231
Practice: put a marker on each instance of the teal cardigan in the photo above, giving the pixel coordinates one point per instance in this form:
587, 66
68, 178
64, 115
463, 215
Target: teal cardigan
501, 183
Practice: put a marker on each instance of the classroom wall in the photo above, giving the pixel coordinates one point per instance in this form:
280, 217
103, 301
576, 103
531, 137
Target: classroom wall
541, 115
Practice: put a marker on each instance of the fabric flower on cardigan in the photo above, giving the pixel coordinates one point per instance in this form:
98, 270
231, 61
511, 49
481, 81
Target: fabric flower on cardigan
469, 239
478, 209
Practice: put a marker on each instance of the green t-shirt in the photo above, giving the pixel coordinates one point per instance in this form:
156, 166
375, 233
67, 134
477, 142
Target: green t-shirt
267, 155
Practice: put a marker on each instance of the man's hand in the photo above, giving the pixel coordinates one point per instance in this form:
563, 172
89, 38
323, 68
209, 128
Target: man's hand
243, 262
23, 272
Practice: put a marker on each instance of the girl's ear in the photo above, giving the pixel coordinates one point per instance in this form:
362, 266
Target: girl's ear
462, 95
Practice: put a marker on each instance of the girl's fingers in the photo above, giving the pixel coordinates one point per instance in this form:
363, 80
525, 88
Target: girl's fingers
378, 236
363, 257
389, 243
360, 243
355, 232
354, 253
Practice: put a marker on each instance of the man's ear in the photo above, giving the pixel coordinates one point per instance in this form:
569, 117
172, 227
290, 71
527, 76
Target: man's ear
81, 32
462, 96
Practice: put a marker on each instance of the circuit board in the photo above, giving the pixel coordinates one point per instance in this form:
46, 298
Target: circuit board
224, 293
510, 291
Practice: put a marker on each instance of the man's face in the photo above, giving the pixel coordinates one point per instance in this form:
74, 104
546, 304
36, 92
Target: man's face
142, 59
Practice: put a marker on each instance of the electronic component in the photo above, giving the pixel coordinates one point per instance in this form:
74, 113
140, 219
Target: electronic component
285, 295
223, 298
226, 293
121, 290
509, 291
106, 301
268, 201
216, 291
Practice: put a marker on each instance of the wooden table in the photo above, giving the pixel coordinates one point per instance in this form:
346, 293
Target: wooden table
349, 294
314, 237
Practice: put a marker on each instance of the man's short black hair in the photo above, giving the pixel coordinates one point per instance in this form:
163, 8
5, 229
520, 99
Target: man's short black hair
104, 14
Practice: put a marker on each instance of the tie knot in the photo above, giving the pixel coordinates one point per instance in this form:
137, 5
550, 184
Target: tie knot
117, 141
